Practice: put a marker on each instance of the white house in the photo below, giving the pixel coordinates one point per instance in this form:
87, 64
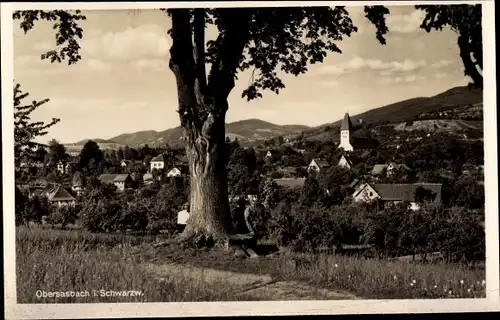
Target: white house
59, 197
347, 161
174, 172
345, 134
158, 162
147, 178
318, 165
121, 181
390, 168
365, 192
61, 167
396, 193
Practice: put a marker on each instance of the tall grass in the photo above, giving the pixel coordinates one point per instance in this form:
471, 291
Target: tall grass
56, 260
381, 279
366, 278
76, 261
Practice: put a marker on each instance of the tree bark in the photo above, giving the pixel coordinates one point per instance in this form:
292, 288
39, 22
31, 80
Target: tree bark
209, 205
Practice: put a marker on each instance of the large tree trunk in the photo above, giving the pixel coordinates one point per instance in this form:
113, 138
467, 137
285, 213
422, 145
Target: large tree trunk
202, 110
209, 205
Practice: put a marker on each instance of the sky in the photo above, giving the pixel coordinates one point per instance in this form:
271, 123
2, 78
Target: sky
123, 83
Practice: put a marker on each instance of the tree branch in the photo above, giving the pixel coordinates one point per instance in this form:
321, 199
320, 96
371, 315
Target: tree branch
199, 55
182, 64
231, 43
469, 65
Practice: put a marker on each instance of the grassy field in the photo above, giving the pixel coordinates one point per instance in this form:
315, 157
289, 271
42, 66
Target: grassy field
53, 260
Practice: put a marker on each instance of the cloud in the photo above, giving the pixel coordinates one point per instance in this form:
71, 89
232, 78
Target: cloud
329, 83
400, 79
442, 64
440, 75
144, 42
405, 23
360, 64
27, 61
98, 65
151, 64
44, 46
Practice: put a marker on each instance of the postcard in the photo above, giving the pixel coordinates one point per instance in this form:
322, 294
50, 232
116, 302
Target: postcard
262, 158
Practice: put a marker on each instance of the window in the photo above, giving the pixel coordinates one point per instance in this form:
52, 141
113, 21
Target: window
371, 194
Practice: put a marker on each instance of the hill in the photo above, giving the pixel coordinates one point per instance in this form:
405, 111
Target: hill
82, 142
246, 131
403, 111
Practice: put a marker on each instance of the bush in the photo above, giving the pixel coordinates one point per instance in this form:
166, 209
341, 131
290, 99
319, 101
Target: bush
63, 216
32, 210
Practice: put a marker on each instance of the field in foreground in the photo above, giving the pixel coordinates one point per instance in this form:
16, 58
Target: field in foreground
54, 260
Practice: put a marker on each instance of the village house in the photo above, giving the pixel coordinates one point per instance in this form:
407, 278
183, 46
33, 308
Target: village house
57, 196
121, 181
28, 165
131, 164
147, 178
396, 193
158, 162
73, 150
77, 184
318, 165
288, 172
389, 169
348, 161
177, 171
290, 182
61, 167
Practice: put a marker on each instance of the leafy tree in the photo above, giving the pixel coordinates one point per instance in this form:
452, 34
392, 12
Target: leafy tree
465, 20
40, 154
33, 211
127, 153
91, 157
57, 152
311, 192
119, 155
63, 216
26, 131
113, 158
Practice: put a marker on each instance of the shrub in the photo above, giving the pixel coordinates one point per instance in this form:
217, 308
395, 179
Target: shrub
33, 210
63, 216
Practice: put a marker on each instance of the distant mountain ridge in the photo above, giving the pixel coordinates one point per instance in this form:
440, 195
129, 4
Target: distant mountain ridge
404, 110
248, 130
252, 130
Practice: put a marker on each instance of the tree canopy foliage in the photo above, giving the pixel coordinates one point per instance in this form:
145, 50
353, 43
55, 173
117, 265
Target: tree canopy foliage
466, 21
25, 131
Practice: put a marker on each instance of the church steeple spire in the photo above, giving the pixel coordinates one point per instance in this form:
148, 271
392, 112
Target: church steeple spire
345, 134
346, 123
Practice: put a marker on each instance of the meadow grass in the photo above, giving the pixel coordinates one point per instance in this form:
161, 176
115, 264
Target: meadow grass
382, 279
366, 278
55, 260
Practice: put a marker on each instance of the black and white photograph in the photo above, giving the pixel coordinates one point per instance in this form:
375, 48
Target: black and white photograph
335, 155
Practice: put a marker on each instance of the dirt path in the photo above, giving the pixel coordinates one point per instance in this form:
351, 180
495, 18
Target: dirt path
261, 286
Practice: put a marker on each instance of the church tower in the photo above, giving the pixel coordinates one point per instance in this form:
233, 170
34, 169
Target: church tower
345, 134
